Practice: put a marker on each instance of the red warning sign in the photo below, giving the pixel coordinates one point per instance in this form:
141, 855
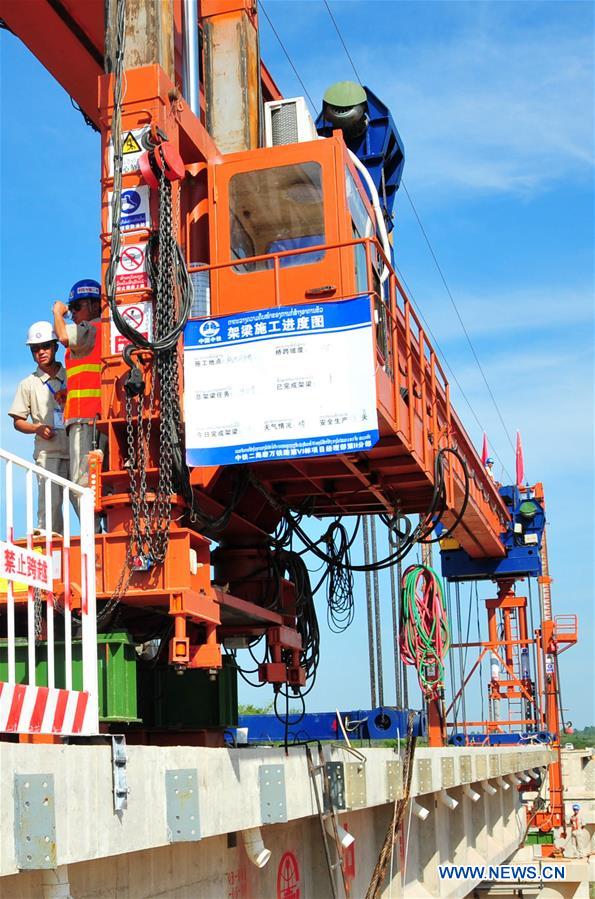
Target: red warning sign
139, 316
134, 316
131, 273
288, 877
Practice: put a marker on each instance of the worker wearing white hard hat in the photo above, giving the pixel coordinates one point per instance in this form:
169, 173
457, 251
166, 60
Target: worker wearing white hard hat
38, 409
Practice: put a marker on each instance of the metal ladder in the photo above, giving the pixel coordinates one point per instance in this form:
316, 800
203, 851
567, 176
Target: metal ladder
515, 704
326, 812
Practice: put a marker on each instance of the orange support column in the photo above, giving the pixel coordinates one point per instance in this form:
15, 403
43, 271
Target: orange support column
436, 723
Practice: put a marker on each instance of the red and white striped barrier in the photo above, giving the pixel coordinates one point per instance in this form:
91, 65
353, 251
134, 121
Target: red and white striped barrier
27, 705
43, 710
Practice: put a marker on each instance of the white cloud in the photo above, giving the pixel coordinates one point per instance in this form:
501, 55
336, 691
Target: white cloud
548, 397
489, 98
489, 313
508, 112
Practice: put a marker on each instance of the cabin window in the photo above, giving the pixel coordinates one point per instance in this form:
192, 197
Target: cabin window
276, 209
361, 226
362, 222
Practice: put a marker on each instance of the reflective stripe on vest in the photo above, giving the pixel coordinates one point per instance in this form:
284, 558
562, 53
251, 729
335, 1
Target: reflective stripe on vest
83, 381
77, 369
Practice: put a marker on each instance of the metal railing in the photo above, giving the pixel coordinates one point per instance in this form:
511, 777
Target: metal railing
47, 685
566, 628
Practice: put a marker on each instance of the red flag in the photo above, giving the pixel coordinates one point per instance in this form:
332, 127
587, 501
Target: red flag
520, 467
484, 449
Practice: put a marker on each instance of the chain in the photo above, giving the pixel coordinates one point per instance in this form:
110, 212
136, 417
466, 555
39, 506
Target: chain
151, 523
37, 613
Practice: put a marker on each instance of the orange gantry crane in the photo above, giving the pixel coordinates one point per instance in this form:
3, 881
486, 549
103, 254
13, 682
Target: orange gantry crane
237, 223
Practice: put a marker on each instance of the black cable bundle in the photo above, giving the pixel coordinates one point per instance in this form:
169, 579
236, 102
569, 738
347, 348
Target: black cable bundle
307, 622
398, 525
339, 585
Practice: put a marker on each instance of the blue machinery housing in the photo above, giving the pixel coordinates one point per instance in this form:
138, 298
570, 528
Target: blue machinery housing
360, 724
522, 541
497, 739
379, 148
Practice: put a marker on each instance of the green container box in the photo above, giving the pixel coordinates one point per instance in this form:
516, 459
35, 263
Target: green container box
536, 837
116, 671
133, 691
188, 701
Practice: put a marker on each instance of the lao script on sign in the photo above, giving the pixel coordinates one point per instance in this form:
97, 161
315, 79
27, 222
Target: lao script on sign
288, 382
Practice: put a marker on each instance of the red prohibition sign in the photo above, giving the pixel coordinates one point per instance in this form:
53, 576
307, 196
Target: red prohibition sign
134, 315
132, 258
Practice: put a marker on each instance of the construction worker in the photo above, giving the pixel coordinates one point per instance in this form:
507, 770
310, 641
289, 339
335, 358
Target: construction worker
38, 408
489, 466
82, 340
579, 839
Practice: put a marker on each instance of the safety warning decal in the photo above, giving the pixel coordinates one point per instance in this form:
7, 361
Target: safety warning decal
131, 273
139, 316
130, 145
135, 210
288, 877
132, 148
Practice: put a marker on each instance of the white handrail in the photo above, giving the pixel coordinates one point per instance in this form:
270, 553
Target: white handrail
27, 566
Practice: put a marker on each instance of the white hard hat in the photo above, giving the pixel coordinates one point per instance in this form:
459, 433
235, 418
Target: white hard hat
40, 332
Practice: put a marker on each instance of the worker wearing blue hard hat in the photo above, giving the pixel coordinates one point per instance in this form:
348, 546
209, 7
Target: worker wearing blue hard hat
578, 842
489, 465
82, 339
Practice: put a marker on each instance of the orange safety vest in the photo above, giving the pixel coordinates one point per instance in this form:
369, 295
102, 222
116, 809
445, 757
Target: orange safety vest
83, 382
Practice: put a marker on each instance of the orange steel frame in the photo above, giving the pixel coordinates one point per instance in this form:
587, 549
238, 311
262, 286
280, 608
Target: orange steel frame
71, 46
508, 634
415, 416
414, 410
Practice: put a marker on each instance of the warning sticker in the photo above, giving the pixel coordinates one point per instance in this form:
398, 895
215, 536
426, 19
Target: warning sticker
135, 208
139, 316
132, 148
131, 273
130, 145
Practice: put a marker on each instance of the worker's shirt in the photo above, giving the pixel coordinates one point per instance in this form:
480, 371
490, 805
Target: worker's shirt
38, 398
81, 340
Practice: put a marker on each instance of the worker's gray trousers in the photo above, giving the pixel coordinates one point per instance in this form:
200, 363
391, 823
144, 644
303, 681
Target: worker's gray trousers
58, 466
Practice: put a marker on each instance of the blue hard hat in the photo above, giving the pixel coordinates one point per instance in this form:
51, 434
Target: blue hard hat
576, 807
489, 461
87, 289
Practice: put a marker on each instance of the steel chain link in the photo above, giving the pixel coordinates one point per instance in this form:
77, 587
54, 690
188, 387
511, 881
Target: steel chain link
149, 537
37, 613
151, 523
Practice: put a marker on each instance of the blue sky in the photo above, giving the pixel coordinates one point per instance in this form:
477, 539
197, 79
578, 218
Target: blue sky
494, 102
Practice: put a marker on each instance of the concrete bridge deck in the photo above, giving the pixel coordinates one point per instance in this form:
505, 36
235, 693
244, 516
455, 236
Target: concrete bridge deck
180, 835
